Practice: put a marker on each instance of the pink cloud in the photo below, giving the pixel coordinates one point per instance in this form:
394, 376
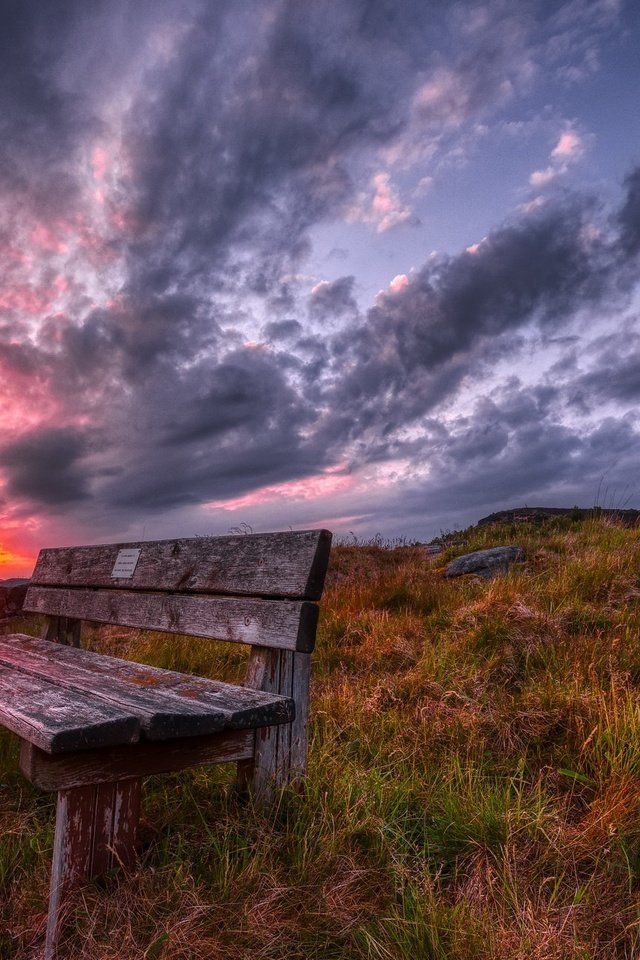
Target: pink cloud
46, 238
540, 178
310, 488
398, 283
27, 300
385, 209
570, 146
99, 163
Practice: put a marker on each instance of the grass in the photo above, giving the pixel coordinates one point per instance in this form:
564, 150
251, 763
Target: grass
473, 789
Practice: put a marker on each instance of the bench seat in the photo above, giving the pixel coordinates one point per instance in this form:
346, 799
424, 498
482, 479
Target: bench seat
62, 699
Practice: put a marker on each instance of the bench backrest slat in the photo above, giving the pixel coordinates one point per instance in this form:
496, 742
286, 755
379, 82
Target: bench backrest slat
290, 565
289, 625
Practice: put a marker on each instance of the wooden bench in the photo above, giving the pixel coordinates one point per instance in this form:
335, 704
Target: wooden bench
92, 726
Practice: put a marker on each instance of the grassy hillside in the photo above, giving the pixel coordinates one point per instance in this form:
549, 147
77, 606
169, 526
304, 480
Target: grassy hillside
474, 787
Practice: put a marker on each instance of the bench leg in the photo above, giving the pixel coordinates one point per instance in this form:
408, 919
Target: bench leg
64, 630
280, 751
96, 828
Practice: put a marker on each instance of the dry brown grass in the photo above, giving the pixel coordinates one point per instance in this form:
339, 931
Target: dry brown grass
474, 783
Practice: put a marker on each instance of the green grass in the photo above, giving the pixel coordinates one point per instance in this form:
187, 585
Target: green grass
473, 789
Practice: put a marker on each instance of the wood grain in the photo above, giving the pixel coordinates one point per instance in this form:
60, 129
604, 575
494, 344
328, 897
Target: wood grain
72, 846
102, 829
291, 564
58, 719
126, 816
58, 772
271, 623
281, 752
167, 704
299, 727
96, 828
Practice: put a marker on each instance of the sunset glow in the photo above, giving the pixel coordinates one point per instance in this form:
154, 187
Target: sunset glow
14, 564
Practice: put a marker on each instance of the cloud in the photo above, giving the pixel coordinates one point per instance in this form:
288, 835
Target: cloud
569, 148
417, 345
628, 217
540, 178
333, 298
612, 376
282, 329
163, 169
511, 449
384, 208
45, 465
398, 283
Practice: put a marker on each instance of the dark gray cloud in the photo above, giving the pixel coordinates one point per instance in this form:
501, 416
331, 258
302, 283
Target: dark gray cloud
45, 465
607, 372
492, 459
629, 215
241, 141
282, 329
333, 299
457, 313
232, 146
240, 418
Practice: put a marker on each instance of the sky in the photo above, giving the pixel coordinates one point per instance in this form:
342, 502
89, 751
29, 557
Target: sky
370, 265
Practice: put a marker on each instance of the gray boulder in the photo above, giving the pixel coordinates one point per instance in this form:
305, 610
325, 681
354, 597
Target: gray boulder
485, 563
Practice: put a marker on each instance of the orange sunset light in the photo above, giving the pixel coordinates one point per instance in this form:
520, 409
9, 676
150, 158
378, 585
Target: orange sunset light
14, 564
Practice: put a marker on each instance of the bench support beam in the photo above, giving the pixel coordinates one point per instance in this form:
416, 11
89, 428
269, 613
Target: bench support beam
63, 771
281, 751
96, 829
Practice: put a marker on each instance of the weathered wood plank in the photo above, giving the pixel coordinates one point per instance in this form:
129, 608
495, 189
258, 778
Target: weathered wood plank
102, 829
271, 623
96, 828
56, 719
291, 564
60, 772
168, 704
284, 687
281, 752
161, 715
71, 856
299, 727
126, 816
115, 825
267, 670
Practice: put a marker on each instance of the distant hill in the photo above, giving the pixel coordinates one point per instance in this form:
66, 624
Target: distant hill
629, 518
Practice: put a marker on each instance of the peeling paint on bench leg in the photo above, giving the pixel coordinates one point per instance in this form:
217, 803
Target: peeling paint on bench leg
71, 856
126, 815
96, 827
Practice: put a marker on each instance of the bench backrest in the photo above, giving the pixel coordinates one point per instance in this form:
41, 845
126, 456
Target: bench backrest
257, 589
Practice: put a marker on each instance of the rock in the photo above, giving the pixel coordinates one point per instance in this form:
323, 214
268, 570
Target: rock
485, 563
12, 593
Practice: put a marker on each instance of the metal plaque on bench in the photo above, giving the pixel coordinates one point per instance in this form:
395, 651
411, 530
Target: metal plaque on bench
125, 563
